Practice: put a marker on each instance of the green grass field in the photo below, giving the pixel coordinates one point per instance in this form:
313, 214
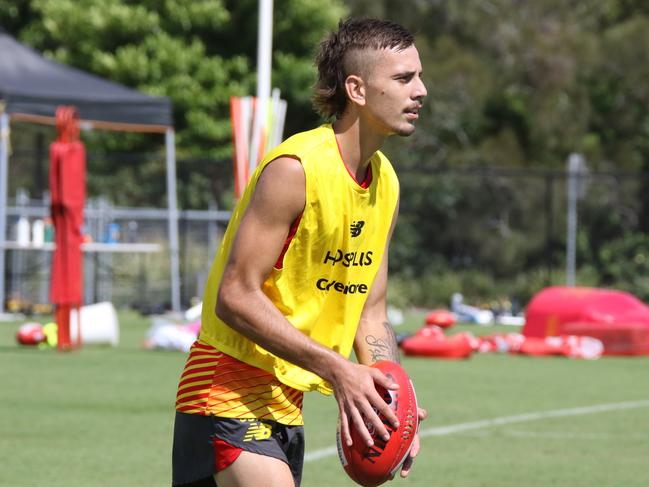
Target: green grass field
103, 416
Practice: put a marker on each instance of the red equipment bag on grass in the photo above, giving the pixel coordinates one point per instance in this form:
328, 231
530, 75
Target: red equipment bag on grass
618, 319
618, 338
430, 341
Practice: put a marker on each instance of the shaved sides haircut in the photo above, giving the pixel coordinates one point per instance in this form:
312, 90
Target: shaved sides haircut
344, 52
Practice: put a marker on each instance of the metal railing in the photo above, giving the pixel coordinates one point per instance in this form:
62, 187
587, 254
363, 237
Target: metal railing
125, 259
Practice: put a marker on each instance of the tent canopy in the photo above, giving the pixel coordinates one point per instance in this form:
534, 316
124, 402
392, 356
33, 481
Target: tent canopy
32, 88
35, 86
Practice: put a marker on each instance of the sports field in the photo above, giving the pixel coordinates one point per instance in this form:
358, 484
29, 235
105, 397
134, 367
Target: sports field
102, 416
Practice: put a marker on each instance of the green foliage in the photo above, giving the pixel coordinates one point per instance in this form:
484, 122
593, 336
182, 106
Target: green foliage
526, 83
198, 53
511, 84
625, 264
189, 51
434, 290
523, 85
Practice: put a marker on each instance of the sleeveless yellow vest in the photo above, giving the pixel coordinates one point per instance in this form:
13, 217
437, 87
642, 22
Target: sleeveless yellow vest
330, 264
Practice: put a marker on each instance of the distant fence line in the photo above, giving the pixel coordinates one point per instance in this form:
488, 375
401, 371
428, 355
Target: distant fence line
500, 221
510, 225
136, 279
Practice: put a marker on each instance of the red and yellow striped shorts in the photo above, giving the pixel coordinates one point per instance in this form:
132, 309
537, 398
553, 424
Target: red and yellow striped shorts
216, 384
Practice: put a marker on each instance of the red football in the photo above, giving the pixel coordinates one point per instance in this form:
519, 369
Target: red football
371, 466
30, 334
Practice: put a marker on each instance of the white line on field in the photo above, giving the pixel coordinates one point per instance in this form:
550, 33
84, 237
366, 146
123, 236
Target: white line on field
487, 423
550, 435
564, 435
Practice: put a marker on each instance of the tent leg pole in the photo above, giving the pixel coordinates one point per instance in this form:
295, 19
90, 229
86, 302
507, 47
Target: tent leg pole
172, 202
4, 178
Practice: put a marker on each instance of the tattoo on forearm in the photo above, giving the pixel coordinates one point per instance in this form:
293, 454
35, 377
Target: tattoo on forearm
383, 348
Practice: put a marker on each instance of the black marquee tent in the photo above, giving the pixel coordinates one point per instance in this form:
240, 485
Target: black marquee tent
31, 89
33, 85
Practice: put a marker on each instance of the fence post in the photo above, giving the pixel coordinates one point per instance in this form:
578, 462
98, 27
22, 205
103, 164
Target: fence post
4, 176
549, 227
576, 170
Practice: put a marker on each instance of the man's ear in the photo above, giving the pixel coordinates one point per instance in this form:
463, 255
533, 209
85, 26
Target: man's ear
355, 88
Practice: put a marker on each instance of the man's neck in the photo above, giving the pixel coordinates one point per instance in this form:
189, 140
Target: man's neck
357, 144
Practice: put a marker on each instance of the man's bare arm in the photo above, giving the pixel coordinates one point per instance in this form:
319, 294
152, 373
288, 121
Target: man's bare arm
375, 339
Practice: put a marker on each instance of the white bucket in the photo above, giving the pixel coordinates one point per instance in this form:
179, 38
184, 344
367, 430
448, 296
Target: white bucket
99, 324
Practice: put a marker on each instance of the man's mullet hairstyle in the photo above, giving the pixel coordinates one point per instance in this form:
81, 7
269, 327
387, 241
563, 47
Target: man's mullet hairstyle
329, 97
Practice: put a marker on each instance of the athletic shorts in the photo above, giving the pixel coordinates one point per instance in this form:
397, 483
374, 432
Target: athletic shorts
194, 456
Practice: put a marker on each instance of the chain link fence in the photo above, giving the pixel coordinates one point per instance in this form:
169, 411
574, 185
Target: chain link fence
490, 232
486, 232
136, 276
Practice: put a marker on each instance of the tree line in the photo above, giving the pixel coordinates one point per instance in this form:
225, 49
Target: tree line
516, 84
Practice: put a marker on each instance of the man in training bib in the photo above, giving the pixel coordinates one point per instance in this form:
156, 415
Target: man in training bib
301, 277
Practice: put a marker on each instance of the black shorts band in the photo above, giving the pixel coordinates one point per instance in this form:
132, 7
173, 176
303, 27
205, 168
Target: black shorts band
193, 447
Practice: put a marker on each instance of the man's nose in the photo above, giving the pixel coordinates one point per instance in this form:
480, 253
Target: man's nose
420, 89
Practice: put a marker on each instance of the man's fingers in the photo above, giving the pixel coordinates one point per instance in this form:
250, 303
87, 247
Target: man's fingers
416, 445
414, 450
372, 416
422, 414
383, 380
379, 403
407, 465
386, 411
360, 426
364, 408
344, 428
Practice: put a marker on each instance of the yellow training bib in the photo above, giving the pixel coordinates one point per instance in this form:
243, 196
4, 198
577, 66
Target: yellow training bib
330, 264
